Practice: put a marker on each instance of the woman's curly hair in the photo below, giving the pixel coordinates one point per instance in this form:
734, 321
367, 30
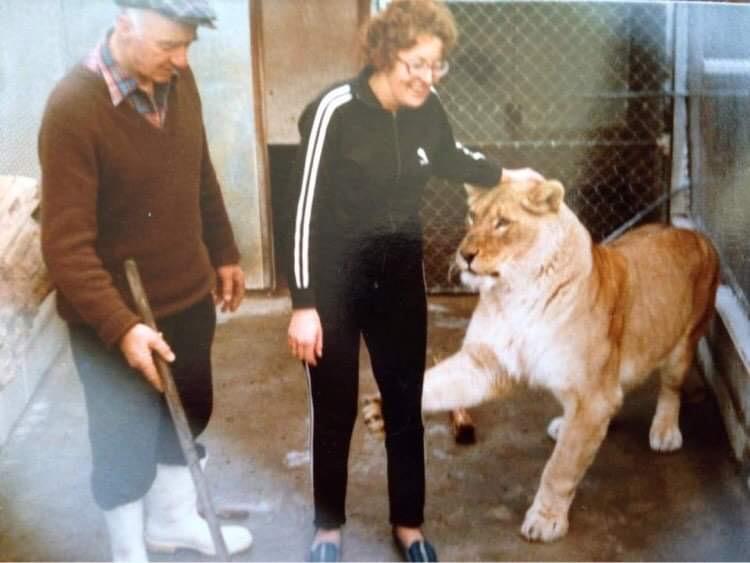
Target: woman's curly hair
398, 27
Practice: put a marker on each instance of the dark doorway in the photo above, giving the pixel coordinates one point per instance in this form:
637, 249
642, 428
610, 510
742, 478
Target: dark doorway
280, 161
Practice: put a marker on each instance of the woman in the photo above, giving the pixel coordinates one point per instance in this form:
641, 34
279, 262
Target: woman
354, 255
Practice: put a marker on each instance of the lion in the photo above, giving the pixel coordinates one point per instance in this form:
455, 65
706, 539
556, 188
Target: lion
586, 321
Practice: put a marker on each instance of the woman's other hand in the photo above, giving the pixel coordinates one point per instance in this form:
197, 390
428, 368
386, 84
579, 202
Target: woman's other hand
305, 336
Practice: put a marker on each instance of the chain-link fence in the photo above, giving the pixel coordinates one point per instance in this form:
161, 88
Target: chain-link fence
579, 91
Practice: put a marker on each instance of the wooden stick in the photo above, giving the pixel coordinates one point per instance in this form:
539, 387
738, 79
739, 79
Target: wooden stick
178, 415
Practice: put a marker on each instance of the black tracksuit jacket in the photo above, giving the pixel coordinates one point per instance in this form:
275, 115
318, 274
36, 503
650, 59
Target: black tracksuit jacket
357, 184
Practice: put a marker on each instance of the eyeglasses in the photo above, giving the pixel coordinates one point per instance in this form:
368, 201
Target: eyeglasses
421, 67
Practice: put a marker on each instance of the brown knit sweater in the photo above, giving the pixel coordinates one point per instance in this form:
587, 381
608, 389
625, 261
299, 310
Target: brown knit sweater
116, 187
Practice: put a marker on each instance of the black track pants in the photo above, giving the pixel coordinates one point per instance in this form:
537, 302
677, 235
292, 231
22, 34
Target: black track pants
391, 315
130, 428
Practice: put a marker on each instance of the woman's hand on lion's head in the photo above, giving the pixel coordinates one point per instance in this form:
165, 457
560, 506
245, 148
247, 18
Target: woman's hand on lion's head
520, 175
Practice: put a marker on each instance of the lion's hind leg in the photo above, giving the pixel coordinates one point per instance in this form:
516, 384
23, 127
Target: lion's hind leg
665, 435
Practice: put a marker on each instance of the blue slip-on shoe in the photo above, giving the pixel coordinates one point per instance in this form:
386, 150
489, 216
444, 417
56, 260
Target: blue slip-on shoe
325, 551
419, 550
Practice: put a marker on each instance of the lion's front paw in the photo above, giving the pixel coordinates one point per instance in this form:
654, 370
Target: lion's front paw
544, 524
667, 438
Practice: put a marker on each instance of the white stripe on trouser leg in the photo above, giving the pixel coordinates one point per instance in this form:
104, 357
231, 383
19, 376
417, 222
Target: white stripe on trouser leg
310, 425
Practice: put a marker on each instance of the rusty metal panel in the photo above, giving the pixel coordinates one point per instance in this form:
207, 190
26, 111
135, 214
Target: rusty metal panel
306, 46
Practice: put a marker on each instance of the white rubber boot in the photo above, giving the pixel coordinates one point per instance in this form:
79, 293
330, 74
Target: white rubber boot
125, 527
172, 519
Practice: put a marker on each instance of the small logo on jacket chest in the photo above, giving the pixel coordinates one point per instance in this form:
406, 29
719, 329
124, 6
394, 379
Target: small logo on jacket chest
422, 156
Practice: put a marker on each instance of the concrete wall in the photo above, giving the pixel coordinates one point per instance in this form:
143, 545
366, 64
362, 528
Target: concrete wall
32, 336
42, 39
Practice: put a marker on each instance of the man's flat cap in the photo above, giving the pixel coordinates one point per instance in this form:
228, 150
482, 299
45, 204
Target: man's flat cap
191, 12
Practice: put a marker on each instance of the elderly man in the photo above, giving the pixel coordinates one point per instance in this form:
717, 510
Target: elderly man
126, 172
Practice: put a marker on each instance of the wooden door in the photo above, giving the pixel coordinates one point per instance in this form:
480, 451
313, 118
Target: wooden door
299, 48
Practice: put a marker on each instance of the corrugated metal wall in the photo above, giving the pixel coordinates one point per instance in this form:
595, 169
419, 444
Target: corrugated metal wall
719, 102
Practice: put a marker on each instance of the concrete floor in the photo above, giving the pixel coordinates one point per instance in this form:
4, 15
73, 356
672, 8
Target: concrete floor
632, 505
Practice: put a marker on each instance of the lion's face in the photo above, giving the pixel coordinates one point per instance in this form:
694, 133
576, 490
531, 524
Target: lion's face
504, 223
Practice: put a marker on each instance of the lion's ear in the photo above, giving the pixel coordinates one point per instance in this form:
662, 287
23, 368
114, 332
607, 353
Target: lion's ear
473, 193
544, 197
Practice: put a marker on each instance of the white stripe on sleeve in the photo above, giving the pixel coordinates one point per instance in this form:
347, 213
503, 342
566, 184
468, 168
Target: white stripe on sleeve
316, 142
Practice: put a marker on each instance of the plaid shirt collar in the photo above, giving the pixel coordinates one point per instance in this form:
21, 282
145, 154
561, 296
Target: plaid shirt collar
123, 86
